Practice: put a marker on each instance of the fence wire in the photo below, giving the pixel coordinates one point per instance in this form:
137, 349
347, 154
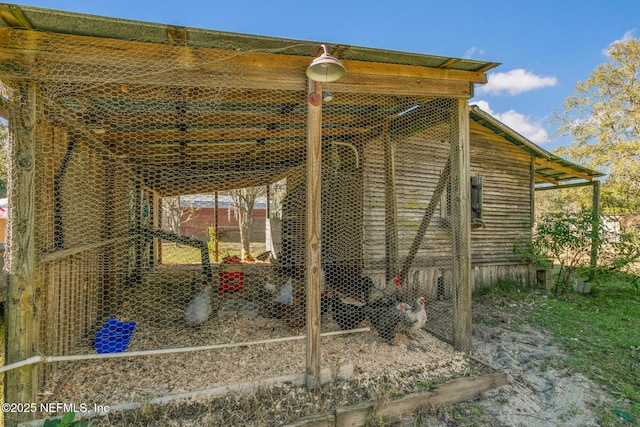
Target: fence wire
171, 213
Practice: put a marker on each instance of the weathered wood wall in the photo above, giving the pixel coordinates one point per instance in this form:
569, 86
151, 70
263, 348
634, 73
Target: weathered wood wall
507, 205
419, 160
82, 246
507, 199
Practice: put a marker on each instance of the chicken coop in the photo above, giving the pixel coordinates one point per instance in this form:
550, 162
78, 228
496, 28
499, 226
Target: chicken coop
367, 179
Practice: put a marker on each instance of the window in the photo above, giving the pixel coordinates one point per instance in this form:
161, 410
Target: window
476, 204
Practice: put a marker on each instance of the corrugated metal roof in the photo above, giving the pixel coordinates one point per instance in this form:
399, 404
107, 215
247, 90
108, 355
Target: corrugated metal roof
549, 168
17, 16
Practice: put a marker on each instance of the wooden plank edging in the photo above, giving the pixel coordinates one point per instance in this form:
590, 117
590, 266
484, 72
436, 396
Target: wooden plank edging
451, 392
327, 374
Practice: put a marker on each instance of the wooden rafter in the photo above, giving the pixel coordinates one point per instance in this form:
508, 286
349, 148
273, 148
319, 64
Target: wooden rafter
563, 169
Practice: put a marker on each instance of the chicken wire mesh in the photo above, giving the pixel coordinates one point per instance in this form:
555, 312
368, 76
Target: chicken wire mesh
172, 211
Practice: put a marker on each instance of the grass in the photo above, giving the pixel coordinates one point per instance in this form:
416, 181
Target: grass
600, 332
173, 253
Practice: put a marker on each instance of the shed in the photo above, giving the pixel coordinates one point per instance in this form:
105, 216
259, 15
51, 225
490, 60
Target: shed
110, 116
512, 169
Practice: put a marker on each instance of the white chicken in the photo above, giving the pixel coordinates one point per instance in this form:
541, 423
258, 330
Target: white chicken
415, 319
199, 308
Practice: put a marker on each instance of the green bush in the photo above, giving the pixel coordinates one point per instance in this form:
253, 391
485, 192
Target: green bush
568, 239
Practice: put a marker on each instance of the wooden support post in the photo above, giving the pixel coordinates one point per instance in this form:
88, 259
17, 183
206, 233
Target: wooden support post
391, 208
20, 304
532, 189
216, 227
156, 223
461, 228
313, 235
595, 224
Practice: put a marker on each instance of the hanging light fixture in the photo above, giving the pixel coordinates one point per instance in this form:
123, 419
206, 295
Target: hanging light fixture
325, 68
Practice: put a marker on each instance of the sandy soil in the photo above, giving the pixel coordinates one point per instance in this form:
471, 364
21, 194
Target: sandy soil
540, 391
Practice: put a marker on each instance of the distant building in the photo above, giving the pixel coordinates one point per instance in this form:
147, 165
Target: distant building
198, 213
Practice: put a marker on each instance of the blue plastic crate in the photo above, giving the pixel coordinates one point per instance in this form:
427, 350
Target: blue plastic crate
114, 336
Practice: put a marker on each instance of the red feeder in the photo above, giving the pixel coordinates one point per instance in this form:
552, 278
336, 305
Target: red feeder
231, 275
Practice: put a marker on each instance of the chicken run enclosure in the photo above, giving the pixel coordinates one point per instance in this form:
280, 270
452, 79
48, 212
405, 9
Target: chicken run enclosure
368, 198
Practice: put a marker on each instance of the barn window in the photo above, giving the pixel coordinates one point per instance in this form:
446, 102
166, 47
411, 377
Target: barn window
476, 197
476, 204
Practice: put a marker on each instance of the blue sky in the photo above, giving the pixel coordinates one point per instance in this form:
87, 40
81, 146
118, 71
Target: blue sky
545, 47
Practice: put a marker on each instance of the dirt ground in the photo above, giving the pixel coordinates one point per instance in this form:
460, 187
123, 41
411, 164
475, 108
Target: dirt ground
541, 391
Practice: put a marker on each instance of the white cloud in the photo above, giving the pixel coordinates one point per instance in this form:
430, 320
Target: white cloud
473, 50
515, 82
524, 125
625, 38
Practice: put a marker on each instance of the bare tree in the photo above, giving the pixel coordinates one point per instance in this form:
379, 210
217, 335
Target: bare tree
173, 211
244, 200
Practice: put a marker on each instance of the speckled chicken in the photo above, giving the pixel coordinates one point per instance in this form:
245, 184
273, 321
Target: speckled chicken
199, 308
386, 320
414, 318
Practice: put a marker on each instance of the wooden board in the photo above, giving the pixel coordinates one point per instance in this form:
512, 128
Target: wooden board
369, 413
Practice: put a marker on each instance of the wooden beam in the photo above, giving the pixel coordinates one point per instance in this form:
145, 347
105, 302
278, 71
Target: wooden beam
461, 229
532, 190
185, 240
13, 17
75, 49
454, 391
105, 94
256, 132
392, 411
216, 228
67, 253
558, 167
20, 304
546, 179
565, 186
391, 207
313, 235
139, 120
99, 61
4, 108
595, 224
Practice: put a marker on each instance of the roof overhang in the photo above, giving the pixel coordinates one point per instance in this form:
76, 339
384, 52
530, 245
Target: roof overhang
61, 22
202, 103
550, 170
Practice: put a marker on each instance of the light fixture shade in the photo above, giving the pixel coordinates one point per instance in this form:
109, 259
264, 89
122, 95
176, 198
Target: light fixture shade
325, 68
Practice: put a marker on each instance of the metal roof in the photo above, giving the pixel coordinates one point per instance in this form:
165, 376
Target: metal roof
211, 126
26, 17
550, 170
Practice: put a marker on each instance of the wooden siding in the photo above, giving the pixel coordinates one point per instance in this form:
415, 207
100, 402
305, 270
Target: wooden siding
81, 273
506, 174
419, 160
505, 170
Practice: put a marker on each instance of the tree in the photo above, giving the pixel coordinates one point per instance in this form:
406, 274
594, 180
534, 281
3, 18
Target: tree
603, 118
175, 214
244, 200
